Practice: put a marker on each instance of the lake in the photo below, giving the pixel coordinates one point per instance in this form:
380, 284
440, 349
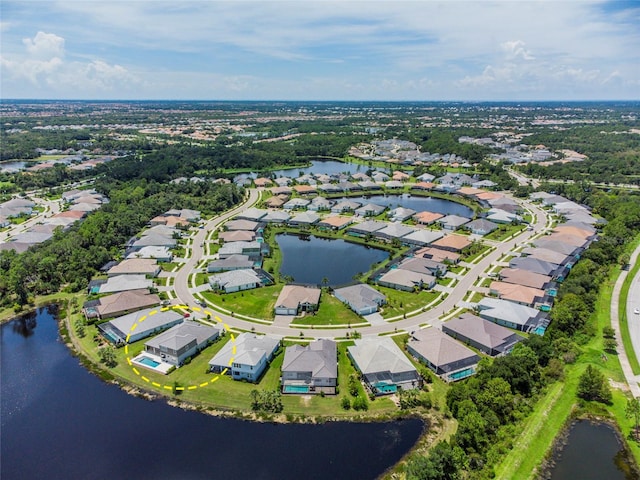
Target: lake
58, 421
328, 167
310, 259
419, 204
589, 454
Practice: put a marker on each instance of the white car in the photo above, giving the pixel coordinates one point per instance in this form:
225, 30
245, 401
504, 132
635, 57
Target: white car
636, 311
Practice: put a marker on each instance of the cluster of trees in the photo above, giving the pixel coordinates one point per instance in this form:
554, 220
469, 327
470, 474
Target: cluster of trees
269, 401
613, 155
70, 259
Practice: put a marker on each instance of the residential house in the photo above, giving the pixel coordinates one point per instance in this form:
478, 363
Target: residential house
275, 216
246, 358
512, 315
319, 204
237, 236
120, 283
253, 214
345, 206
394, 231
119, 304
182, 341
361, 298
438, 255
423, 265
453, 222
235, 281
406, 280
481, 334
525, 278
369, 210
422, 237
517, 293
365, 228
452, 243
136, 266
335, 222
138, 325
313, 367
242, 225
161, 254
296, 204
447, 358
232, 262
427, 218
251, 249
400, 214
304, 218
294, 299
481, 226
383, 365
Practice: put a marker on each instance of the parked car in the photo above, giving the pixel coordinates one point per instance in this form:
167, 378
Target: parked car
636, 311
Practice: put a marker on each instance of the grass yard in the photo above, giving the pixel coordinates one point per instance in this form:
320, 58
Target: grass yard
330, 312
624, 327
400, 302
257, 303
504, 231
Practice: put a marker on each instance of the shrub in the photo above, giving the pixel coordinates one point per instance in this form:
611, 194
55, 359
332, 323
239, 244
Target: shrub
345, 403
360, 403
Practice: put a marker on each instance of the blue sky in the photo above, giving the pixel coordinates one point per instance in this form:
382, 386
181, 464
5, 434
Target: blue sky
320, 50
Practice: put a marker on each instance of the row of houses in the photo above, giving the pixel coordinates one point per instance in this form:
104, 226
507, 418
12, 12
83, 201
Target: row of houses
76, 207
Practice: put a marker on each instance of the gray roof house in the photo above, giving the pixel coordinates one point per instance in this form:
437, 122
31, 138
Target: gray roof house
161, 254
394, 230
234, 280
253, 214
422, 237
400, 214
486, 336
304, 218
251, 249
135, 266
153, 240
246, 357
423, 265
453, 222
406, 280
138, 325
232, 262
535, 265
296, 203
369, 210
345, 206
361, 298
447, 358
511, 315
481, 226
364, 228
294, 299
120, 283
241, 224
383, 365
275, 216
320, 203
310, 369
182, 341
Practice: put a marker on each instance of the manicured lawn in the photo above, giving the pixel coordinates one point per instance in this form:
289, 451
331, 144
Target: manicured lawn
168, 266
622, 311
400, 302
483, 251
257, 303
504, 231
330, 312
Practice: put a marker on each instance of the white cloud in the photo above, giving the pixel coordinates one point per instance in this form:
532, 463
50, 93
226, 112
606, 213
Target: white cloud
45, 46
44, 66
516, 50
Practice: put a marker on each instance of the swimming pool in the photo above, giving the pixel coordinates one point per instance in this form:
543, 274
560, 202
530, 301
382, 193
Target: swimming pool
148, 362
295, 389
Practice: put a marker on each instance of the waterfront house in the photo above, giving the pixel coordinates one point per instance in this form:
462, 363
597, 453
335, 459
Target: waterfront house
447, 358
182, 341
310, 369
119, 304
486, 336
511, 314
400, 279
362, 299
232, 262
246, 357
234, 281
384, 367
138, 325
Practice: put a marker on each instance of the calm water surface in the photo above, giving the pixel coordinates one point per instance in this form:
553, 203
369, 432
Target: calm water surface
589, 454
419, 204
311, 260
60, 422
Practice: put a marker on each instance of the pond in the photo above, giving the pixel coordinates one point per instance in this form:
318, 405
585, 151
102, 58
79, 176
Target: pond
58, 421
591, 453
311, 259
11, 167
328, 167
419, 204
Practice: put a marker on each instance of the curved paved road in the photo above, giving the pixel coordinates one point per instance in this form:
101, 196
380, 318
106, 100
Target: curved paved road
633, 320
459, 292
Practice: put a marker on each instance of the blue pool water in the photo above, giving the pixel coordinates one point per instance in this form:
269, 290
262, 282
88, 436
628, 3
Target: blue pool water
148, 362
296, 389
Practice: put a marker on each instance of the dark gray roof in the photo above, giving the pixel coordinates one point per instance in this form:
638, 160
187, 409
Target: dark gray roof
482, 331
184, 333
320, 358
439, 349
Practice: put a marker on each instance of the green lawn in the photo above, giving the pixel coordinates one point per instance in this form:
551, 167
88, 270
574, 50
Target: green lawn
504, 231
624, 327
257, 303
331, 312
400, 302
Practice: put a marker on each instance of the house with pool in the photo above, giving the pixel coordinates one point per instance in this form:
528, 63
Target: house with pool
481, 334
182, 341
246, 357
448, 359
385, 368
138, 325
310, 369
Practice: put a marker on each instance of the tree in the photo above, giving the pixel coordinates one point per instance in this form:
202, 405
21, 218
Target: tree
593, 386
610, 345
108, 356
443, 463
633, 411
